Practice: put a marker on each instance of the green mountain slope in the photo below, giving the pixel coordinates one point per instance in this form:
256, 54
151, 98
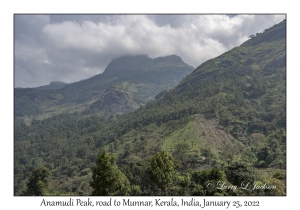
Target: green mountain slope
244, 89
230, 109
126, 83
226, 110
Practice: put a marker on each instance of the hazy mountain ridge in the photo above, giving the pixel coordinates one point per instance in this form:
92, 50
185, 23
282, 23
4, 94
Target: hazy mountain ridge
144, 75
52, 86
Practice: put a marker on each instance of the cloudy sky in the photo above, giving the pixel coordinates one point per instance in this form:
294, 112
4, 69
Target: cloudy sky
70, 48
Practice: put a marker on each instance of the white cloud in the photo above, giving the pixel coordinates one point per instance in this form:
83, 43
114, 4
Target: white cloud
72, 50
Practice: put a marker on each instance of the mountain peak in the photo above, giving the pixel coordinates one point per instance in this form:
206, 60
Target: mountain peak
126, 57
52, 86
133, 65
174, 58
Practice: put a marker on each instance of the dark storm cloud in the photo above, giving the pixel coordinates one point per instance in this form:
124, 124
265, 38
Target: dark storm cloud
74, 47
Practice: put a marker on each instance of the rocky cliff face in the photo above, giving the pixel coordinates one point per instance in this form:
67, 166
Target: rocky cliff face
115, 101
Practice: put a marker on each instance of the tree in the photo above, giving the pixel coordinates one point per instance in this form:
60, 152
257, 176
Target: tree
239, 173
181, 151
251, 36
184, 181
161, 171
203, 179
266, 155
108, 180
200, 177
38, 182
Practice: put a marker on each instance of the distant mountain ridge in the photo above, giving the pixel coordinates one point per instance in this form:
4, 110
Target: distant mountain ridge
136, 79
52, 86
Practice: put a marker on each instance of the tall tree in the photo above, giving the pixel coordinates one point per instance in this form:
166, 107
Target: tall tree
161, 171
38, 182
108, 180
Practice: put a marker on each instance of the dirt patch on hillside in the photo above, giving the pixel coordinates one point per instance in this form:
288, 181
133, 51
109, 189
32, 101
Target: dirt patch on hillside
210, 133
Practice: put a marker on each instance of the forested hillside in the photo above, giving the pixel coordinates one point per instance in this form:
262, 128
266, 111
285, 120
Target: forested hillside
224, 122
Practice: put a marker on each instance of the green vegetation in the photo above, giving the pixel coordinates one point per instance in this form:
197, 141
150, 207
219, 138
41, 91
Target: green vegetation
107, 179
224, 123
161, 171
38, 182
